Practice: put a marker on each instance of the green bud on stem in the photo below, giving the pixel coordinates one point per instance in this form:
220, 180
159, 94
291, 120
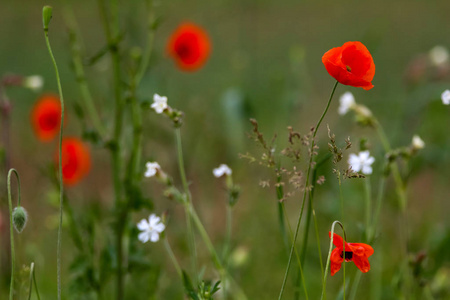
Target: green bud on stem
20, 218
46, 16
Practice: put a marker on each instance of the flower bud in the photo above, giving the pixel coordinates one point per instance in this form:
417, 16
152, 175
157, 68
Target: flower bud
46, 16
34, 82
417, 143
19, 217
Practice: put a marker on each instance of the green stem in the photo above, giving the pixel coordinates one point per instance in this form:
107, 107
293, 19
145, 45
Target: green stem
82, 83
188, 203
368, 198
173, 258
329, 255
33, 278
61, 185
281, 216
355, 285
237, 291
378, 209
400, 187
296, 253
149, 47
11, 231
112, 34
306, 191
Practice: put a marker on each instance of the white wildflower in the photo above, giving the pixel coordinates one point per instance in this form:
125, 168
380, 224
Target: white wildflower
446, 97
438, 55
221, 170
34, 82
159, 103
152, 168
417, 142
361, 162
151, 229
346, 102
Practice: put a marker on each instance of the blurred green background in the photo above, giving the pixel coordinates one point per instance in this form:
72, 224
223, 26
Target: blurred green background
265, 64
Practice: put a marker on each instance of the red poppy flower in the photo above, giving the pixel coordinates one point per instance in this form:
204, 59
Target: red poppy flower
76, 160
46, 116
189, 45
356, 252
350, 64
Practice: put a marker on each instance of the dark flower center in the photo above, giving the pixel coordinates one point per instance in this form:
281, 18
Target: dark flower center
348, 68
348, 255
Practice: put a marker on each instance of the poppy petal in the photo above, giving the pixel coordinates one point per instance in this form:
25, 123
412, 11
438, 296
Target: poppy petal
362, 263
335, 261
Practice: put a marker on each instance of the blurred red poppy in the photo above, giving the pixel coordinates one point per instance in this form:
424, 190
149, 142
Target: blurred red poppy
352, 64
76, 160
190, 46
356, 252
46, 116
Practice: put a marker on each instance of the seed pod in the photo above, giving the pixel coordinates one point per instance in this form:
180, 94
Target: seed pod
19, 217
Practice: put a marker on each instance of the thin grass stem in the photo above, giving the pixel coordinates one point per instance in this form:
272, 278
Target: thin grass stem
61, 184
306, 191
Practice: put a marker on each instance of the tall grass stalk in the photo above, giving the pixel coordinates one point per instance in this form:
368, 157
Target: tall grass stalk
47, 15
306, 191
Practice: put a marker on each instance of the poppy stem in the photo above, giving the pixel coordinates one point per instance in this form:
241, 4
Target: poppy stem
305, 192
329, 255
11, 231
47, 14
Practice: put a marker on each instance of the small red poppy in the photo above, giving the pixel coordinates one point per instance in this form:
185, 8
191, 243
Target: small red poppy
76, 160
356, 252
352, 64
46, 117
190, 46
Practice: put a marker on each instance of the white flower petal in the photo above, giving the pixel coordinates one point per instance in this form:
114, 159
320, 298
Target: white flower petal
153, 220
364, 155
367, 170
346, 101
221, 170
154, 236
370, 160
143, 225
159, 227
446, 97
417, 142
143, 237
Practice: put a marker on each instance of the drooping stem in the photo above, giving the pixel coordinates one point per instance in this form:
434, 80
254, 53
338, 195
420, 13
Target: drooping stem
329, 255
61, 185
306, 191
11, 231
